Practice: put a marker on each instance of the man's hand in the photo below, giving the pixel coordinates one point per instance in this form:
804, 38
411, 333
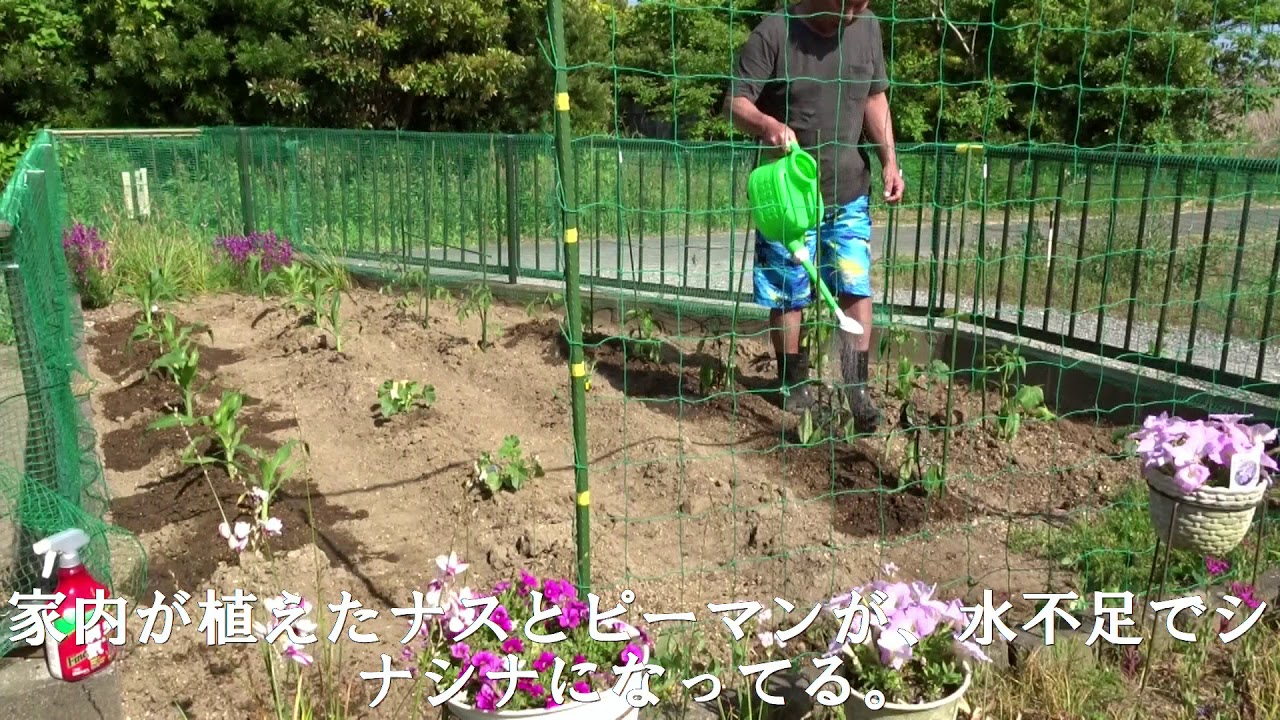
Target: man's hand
779, 135
894, 186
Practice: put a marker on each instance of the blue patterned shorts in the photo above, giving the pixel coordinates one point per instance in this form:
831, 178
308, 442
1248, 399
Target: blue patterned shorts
844, 261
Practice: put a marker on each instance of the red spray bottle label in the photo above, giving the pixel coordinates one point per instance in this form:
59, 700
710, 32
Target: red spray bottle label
76, 654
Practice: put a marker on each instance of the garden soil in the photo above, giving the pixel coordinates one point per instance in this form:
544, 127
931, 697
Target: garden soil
695, 499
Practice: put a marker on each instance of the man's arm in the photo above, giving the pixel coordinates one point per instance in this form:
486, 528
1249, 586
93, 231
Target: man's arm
754, 71
878, 125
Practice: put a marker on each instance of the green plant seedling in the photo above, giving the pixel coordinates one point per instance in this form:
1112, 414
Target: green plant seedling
295, 280
508, 468
1028, 401
333, 317
398, 396
478, 301
906, 378
645, 332
183, 365
150, 294
273, 472
224, 433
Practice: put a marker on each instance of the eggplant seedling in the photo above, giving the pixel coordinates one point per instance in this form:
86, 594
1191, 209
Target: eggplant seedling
398, 396
508, 468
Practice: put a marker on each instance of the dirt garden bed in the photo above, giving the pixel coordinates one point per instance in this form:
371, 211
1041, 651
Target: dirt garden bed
695, 499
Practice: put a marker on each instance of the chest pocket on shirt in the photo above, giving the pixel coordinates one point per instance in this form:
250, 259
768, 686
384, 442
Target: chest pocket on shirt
855, 81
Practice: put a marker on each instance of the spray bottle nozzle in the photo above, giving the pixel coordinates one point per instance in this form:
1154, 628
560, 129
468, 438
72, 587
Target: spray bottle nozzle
65, 544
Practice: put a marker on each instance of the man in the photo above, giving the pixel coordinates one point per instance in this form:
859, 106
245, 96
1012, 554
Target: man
815, 74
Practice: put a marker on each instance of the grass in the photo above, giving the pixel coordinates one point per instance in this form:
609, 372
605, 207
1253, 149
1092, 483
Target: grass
1110, 549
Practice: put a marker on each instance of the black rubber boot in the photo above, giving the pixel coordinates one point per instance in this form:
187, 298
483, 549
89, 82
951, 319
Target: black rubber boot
793, 382
866, 416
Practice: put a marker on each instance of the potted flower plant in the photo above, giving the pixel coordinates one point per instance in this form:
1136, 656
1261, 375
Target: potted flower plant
1206, 478
564, 688
903, 650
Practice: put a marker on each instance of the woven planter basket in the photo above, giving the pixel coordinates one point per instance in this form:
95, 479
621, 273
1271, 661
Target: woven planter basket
1210, 521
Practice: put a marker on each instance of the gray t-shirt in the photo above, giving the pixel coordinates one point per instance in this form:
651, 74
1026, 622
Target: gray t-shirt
818, 86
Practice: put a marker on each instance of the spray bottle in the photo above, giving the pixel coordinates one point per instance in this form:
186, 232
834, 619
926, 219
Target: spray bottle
67, 659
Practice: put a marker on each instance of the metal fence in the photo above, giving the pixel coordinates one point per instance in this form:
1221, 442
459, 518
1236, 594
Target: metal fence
1166, 261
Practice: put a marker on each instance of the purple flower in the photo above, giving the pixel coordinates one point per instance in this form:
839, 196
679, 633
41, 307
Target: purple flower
502, 619
461, 651
1215, 566
573, 613
544, 661
582, 687
558, 591
485, 662
631, 651
271, 250
1245, 593
528, 583
502, 587
487, 699
1201, 451
579, 659
533, 689
512, 645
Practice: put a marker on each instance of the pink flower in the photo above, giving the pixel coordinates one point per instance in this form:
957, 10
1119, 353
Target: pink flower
512, 645
461, 651
544, 661
1215, 566
631, 651
487, 699
502, 619
527, 583
450, 566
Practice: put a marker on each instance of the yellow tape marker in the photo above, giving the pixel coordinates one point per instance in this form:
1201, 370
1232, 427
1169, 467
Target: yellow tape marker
578, 370
975, 148
570, 236
562, 101
584, 498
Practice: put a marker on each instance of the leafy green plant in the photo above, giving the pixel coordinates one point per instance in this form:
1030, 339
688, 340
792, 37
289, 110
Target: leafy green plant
333, 317
150, 294
1019, 400
182, 362
508, 468
719, 371
645, 331
549, 302
295, 281
478, 300
398, 396
815, 336
223, 433
273, 471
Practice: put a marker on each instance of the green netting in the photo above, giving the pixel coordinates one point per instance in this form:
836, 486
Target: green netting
50, 479
1082, 215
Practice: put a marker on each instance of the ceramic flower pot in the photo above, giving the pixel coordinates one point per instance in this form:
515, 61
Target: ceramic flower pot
1209, 521
609, 705
948, 708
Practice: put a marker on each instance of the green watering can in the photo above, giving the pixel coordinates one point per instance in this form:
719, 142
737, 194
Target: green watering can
786, 202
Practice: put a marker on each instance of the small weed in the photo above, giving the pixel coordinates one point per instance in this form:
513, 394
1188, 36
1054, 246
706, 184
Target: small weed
718, 371
644, 333
398, 396
478, 301
273, 471
508, 468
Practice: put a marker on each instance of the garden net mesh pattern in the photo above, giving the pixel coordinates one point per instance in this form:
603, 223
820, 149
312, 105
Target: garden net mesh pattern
50, 478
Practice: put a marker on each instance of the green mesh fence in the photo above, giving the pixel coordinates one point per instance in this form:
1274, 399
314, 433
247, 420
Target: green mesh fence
1067, 259
50, 479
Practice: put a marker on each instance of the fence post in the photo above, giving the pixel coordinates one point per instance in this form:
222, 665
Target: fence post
567, 169
246, 183
513, 211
